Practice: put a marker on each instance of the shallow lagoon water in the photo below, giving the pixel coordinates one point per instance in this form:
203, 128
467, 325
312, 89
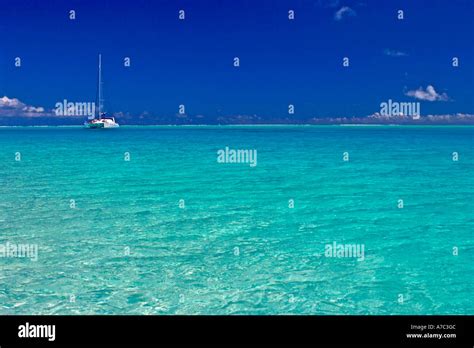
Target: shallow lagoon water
112, 238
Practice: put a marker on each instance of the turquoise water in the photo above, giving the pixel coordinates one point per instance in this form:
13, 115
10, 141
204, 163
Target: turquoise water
125, 246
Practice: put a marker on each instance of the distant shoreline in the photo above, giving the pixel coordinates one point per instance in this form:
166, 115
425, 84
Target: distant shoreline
431, 120
250, 125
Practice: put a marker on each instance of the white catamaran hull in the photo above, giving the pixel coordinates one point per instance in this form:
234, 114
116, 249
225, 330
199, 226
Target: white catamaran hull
111, 125
101, 124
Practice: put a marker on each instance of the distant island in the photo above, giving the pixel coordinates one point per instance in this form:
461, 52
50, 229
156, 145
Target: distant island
149, 119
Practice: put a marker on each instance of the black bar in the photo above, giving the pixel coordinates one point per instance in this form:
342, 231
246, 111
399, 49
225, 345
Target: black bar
198, 330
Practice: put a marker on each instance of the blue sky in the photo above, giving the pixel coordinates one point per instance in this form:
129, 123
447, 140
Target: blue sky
282, 61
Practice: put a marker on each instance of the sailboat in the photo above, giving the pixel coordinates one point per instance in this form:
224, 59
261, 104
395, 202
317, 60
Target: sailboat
102, 120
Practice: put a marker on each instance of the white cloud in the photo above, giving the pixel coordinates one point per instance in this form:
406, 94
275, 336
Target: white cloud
344, 12
393, 53
429, 94
6, 102
15, 107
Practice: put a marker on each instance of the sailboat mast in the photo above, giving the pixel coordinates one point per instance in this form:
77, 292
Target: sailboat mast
99, 96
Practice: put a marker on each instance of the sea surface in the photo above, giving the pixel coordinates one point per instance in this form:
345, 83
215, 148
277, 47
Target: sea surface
173, 231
